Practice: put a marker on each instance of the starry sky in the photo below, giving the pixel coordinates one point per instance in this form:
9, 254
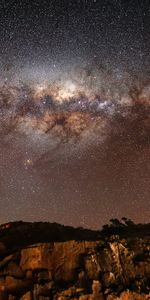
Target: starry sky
74, 111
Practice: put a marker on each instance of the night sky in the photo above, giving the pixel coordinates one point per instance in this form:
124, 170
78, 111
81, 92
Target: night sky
74, 111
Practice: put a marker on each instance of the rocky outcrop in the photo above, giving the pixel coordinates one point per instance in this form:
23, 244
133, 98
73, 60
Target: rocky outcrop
109, 269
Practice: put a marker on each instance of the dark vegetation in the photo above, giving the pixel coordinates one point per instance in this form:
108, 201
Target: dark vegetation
125, 228
15, 235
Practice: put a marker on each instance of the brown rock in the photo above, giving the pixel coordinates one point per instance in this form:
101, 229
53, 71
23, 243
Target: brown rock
61, 259
14, 286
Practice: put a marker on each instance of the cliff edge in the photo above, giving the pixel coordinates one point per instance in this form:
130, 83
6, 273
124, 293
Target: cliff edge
50, 261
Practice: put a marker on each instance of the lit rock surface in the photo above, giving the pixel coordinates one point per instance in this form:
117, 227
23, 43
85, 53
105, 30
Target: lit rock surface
112, 268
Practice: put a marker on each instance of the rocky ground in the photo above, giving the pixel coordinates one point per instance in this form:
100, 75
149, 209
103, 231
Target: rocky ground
94, 268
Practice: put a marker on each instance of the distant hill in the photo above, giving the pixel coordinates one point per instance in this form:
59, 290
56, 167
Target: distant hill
19, 234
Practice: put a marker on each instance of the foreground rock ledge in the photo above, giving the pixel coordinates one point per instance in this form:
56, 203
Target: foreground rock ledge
87, 270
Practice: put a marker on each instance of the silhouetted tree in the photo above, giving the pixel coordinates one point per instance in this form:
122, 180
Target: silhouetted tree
128, 222
115, 222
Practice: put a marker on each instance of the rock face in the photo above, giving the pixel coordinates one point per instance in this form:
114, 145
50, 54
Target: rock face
86, 270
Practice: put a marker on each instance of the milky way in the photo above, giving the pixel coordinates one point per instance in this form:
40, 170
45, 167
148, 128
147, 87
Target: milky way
75, 109
92, 120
